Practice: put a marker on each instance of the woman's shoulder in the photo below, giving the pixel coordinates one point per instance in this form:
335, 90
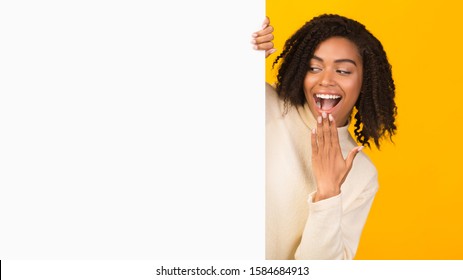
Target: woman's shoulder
271, 94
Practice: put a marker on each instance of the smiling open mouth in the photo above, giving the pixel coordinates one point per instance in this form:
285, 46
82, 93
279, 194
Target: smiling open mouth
326, 102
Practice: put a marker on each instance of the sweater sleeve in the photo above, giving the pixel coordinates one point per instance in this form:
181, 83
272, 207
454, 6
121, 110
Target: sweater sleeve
333, 229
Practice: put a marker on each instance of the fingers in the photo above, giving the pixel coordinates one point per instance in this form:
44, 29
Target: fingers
330, 167
269, 52
267, 38
263, 32
334, 132
320, 138
326, 132
313, 138
266, 22
266, 46
262, 39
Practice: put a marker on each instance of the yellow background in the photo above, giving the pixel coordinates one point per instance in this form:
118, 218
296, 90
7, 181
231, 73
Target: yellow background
417, 213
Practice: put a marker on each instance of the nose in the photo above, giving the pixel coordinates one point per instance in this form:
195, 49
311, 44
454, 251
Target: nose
327, 79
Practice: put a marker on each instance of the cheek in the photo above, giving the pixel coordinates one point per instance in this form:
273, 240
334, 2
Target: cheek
309, 82
353, 88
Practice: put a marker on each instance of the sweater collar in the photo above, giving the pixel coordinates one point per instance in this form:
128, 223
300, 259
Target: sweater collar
309, 120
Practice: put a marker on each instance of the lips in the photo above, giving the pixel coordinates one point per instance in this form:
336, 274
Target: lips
326, 102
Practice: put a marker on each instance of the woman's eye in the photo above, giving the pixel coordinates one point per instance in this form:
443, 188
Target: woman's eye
314, 69
343, 72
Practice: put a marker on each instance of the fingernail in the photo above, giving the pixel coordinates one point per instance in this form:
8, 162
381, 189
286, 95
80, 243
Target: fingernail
254, 35
324, 115
319, 119
359, 149
255, 47
264, 25
330, 117
314, 131
272, 51
253, 41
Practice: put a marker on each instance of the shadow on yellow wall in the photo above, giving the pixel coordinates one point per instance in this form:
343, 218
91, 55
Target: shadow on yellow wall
417, 213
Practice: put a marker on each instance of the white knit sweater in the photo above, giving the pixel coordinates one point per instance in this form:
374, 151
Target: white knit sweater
296, 227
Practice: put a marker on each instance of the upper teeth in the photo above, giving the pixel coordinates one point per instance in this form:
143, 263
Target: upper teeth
328, 96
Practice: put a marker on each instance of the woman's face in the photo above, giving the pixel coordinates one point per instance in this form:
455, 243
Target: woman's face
334, 80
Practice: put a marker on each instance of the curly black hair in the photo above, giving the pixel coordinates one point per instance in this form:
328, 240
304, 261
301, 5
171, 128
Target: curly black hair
376, 108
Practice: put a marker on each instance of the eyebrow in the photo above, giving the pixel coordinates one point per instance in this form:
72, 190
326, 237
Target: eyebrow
337, 60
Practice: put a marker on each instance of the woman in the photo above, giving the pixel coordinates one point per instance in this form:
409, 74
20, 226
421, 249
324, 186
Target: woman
317, 196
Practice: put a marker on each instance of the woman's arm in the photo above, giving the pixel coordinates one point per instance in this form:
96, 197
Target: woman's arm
335, 219
334, 226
